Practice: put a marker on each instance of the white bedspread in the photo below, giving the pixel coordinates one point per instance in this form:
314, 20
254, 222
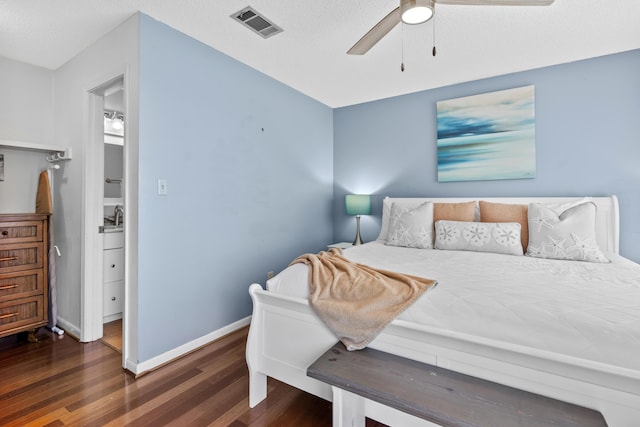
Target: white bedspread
586, 310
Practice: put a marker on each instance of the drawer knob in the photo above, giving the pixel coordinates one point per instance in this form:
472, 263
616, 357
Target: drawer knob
113, 298
5, 233
113, 266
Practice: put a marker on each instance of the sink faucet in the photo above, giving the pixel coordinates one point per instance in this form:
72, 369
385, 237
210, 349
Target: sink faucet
118, 213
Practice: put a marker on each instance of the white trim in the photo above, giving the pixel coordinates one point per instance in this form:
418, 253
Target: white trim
148, 365
92, 196
130, 196
111, 318
68, 327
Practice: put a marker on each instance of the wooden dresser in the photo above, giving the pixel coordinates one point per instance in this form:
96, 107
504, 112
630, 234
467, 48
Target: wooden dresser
23, 273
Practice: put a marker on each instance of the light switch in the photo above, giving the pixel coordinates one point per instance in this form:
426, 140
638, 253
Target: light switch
162, 187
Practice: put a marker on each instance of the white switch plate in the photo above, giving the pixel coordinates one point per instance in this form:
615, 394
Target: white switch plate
162, 187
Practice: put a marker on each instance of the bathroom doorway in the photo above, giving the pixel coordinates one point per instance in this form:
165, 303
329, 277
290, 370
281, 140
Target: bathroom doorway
104, 252
113, 216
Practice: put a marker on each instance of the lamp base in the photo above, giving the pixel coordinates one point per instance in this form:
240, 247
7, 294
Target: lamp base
358, 240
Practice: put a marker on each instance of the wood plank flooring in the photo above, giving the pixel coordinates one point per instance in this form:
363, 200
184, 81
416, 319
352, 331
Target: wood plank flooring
112, 335
61, 382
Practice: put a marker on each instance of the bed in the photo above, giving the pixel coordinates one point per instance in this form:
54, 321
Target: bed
566, 329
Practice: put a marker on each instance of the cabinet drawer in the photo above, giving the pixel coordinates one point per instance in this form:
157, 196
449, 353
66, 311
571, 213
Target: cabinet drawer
113, 264
20, 231
113, 240
113, 301
21, 313
21, 284
23, 256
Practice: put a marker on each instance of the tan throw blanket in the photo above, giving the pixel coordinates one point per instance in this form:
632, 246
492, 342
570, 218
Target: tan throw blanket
356, 301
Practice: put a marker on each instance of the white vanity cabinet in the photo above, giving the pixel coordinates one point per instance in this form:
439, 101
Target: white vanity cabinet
113, 286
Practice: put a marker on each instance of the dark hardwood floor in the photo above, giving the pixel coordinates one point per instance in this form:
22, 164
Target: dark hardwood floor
61, 382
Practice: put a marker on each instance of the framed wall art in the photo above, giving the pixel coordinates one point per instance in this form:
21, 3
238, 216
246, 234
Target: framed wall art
487, 137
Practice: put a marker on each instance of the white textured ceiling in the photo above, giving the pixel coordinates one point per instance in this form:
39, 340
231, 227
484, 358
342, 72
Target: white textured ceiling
473, 41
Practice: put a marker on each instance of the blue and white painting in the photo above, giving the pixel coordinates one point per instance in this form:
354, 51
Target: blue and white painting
488, 136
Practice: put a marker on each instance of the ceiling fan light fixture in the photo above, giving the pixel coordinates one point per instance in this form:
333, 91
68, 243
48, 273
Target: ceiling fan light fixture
416, 11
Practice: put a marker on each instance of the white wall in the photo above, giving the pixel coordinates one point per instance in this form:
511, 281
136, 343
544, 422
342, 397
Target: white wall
115, 53
26, 115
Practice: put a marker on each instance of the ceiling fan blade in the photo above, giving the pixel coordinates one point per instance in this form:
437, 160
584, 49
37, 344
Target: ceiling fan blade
497, 2
376, 33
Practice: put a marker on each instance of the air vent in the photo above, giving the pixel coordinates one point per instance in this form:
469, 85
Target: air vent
257, 23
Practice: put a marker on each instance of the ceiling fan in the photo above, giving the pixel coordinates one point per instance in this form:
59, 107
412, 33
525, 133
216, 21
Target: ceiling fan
419, 11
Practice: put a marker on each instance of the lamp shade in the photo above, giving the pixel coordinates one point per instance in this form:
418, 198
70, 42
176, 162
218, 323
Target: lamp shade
358, 204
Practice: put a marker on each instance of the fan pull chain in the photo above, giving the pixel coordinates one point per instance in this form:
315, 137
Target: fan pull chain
433, 51
402, 46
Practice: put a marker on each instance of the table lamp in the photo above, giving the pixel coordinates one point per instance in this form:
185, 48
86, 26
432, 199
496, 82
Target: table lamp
358, 204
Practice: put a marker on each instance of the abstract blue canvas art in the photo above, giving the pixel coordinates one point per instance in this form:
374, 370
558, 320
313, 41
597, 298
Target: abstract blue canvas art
488, 136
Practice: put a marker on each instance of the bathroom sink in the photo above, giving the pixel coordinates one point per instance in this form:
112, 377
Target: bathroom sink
110, 225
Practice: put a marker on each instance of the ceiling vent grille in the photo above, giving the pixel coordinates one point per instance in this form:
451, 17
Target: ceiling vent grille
257, 23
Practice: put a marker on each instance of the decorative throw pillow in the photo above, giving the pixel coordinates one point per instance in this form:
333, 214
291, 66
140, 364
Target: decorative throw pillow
412, 228
454, 211
505, 212
404, 203
569, 234
502, 238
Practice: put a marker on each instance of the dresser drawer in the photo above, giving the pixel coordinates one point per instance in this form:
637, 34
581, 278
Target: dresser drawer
21, 284
113, 264
22, 312
20, 231
23, 256
113, 301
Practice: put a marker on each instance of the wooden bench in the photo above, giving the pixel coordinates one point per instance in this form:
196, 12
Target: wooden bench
435, 394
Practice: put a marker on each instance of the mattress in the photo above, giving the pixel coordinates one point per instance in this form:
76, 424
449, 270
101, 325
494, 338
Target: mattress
584, 310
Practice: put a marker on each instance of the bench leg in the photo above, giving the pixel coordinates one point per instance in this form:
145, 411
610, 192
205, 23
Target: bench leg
348, 409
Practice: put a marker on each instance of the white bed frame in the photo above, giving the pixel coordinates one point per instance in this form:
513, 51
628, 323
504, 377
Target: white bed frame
285, 337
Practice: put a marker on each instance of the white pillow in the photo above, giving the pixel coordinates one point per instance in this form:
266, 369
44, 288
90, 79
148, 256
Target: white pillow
498, 237
412, 228
569, 234
407, 204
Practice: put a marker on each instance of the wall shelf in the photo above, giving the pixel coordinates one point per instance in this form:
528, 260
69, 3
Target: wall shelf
22, 145
55, 154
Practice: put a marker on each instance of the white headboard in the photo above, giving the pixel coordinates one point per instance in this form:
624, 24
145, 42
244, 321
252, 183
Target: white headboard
607, 213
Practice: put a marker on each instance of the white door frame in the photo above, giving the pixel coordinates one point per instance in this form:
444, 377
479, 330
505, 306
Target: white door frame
92, 242
91, 270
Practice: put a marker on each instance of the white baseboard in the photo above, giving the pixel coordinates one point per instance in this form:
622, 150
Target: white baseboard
68, 327
111, 318
148, 365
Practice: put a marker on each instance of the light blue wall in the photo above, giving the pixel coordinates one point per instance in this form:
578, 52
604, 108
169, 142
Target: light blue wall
249, 165
587, 143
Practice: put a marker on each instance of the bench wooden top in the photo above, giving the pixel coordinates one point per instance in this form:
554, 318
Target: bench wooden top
442, 396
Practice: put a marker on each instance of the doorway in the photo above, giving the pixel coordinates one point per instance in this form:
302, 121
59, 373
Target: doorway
113, 216
104, 251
